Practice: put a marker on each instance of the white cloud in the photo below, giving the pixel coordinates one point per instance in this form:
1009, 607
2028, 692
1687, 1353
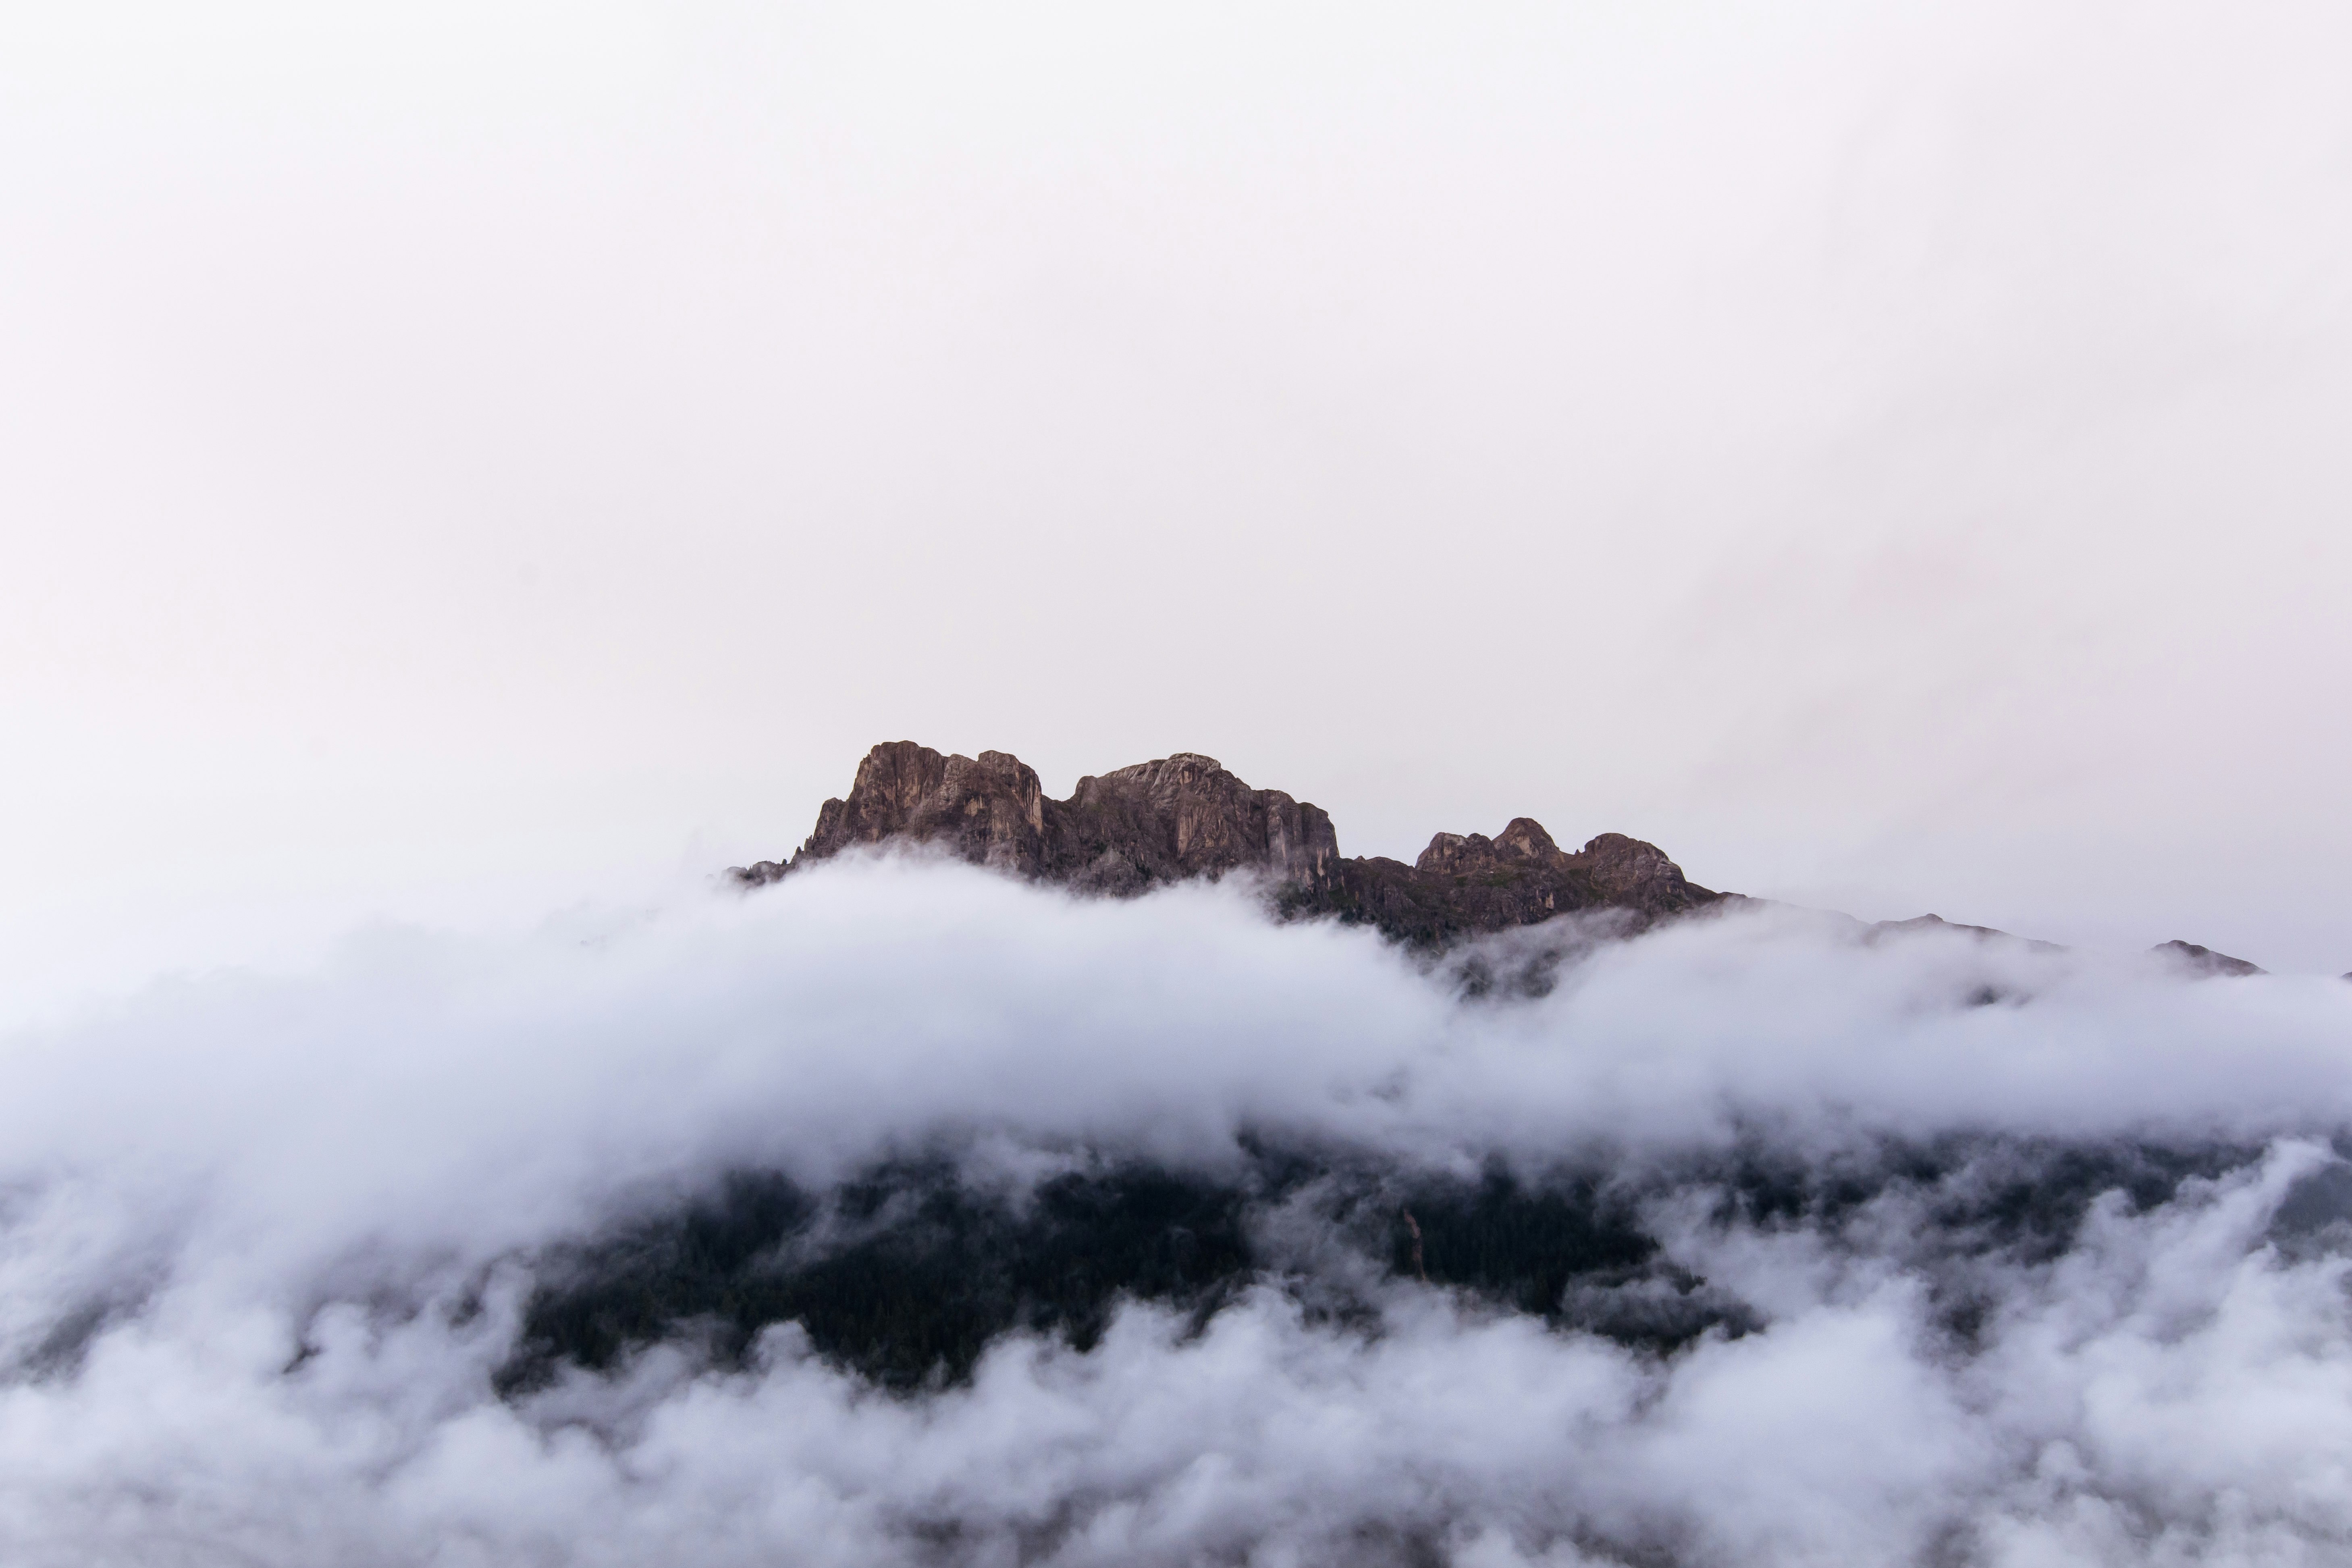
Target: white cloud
237, 1171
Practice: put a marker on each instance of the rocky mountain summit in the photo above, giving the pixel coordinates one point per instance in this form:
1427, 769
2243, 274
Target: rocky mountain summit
1184, 815
1125, 832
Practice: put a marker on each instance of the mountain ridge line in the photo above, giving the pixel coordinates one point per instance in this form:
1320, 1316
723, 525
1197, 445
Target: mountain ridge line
1185, 815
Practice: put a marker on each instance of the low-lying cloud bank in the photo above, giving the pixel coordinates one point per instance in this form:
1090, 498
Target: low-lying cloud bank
1981, 1254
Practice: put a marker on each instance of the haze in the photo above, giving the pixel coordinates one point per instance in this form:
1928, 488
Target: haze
453, 457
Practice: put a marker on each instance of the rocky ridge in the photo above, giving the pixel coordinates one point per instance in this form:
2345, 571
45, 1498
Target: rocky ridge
1181, 816
1185, 815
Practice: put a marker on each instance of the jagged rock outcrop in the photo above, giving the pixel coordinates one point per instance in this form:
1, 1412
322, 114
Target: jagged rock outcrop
1184, 815
989, 809
1156, 822
1464, 884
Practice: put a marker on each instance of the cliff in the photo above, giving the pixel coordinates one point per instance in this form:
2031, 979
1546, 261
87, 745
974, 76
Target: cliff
1184, 815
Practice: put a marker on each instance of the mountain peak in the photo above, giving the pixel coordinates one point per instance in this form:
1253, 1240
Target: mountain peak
2200, 960
1185, 815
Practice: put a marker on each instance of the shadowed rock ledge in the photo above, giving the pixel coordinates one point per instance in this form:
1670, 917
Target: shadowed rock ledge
1184, 815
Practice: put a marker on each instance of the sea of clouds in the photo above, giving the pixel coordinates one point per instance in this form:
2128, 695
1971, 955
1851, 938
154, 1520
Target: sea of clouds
265, 1244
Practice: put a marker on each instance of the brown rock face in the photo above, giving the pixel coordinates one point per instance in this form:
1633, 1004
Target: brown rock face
1156, 822
1185, 815
1466, 883
989, 809
1611, 869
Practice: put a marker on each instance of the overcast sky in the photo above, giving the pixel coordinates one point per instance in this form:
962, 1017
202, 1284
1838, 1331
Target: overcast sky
460, 457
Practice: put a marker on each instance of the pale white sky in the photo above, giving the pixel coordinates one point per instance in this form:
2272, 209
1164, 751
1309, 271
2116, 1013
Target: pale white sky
456, 459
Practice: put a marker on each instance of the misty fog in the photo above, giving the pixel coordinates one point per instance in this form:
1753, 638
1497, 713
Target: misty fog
1985, 1252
